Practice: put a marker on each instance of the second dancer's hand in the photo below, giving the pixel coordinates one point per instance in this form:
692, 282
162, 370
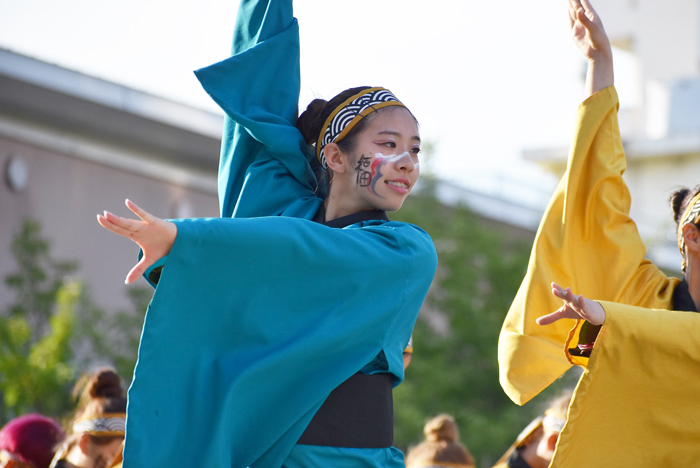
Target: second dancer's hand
575, 307
590, 37
154, 235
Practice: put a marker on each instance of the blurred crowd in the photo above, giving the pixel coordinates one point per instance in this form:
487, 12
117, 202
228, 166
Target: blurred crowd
94, 436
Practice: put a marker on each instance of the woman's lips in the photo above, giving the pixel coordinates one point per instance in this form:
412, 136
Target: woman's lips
399, 185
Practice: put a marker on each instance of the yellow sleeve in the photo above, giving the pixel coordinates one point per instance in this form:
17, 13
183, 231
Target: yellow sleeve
639, 392
587, 241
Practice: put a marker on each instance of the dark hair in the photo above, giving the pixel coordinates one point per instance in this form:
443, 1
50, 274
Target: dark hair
310, 124
680, 199
102, 393
311, 121
32, 439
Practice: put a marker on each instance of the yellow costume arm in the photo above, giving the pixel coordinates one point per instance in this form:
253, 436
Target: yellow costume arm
586, 241
637, 403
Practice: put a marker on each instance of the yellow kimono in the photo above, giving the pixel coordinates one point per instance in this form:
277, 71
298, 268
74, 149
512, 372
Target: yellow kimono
586, 241
638, 402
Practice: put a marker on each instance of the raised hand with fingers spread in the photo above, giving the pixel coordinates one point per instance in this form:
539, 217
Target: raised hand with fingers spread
575, 307
154, 235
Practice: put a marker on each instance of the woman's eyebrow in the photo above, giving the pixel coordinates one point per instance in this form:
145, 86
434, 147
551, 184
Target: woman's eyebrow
398, 134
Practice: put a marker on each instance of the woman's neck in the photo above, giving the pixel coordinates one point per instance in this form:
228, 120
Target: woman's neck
338, 206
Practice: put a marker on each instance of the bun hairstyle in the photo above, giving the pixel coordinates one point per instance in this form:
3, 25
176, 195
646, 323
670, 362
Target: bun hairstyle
680, 199
101, 393
441, 446
311, 121
441, 428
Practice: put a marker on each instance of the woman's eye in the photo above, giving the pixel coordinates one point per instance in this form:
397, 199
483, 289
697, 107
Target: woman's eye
389, 144
415, 150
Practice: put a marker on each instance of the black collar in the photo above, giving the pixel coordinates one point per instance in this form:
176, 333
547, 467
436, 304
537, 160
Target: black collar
682, 299
372, 215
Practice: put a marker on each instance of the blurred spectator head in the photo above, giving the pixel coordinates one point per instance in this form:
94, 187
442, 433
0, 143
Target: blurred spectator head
29, 442
441, 446
98, 427
535, 445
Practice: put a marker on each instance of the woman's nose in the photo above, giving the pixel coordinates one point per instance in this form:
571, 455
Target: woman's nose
405, 162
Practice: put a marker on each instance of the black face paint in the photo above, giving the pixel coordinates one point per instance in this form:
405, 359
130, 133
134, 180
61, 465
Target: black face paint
364, 176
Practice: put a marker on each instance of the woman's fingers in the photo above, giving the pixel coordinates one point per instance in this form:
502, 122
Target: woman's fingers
140, 212
131, 225
588, 8
585, 19
115, 228
561, 313
138, 270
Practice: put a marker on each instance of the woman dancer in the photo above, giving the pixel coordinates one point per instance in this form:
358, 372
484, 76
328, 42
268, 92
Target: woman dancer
586, 239
301, 290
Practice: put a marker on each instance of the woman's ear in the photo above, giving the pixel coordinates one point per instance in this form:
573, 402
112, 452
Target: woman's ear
335, 158
84, 444
691, 235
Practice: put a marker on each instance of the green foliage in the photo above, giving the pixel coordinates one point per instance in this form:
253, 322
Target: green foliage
53, 332
455, 368
34, 372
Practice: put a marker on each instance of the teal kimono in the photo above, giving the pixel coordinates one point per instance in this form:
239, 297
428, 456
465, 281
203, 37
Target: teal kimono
258, 315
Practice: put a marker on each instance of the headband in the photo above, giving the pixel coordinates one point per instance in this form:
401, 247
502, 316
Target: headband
349, 113
690, 215
109, 424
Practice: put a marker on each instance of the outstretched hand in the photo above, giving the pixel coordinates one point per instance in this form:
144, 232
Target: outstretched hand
590, 36
575, 307
155, 236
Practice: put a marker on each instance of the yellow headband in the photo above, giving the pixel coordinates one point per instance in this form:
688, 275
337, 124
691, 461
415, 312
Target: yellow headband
108, 424
349, 113
690, 215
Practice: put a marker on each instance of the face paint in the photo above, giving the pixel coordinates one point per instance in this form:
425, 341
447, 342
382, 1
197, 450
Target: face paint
380, 161
363, 171
377, 164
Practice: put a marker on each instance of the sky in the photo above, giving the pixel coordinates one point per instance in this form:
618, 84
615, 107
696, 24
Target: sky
485, 79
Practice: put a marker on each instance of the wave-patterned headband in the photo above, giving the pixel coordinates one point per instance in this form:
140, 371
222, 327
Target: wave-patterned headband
349, 113
108, 424
690, 215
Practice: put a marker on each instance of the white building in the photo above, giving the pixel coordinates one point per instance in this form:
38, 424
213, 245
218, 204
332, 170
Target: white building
72, 146
658, 44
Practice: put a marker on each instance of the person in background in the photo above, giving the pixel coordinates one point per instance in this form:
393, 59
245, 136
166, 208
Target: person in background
29, 441
98, 428
535, 445
441, 446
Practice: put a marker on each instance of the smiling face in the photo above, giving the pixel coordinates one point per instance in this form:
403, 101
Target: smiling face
382, 167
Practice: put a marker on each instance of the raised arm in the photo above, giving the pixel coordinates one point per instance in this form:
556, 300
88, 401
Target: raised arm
589, 35
586, 238
263, 166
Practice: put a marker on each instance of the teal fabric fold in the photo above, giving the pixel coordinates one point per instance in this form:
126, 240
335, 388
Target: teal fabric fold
254, 322
258, 315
